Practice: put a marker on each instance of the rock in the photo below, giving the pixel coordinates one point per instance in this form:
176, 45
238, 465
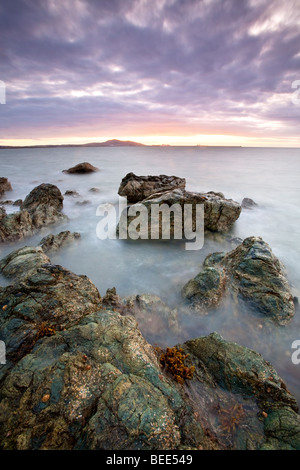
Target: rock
23, 262
42, 296
248, 203
84, 167
4, 185
18, 202
80, 376
54, 242
40, 208
83, 203
43, 195
219, 213
255, 274
206, 289
225, 365
8, 202
136, 188
94, 190
2, 213
69, 192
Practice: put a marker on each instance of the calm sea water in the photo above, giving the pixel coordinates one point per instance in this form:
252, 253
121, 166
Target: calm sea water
269, 176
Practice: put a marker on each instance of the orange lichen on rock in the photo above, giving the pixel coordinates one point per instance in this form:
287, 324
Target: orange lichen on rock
173, 362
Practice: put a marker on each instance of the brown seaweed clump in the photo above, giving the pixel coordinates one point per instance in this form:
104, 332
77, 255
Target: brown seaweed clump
173, 362
45, 330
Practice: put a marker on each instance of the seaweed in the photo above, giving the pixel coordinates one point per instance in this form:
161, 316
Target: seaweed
173, 362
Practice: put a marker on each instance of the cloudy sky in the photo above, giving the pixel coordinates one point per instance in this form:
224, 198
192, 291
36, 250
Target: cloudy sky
185, 72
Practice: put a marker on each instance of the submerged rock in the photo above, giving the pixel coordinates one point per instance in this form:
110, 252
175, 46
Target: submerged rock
54, 242
254, 273
84, 167
136, 188
72, 193
4, 185
248, 203
41, 207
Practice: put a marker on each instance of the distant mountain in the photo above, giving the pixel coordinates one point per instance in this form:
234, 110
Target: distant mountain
108, 143
115, 143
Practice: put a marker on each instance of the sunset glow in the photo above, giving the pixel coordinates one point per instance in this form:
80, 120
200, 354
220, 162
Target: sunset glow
164, 72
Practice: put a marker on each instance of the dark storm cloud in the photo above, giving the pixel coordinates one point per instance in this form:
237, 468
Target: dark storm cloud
85, 61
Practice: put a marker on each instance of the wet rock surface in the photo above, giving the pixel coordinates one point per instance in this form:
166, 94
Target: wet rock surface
52, 242
253, 272
42, 207
80, 375
262, 415
136, 188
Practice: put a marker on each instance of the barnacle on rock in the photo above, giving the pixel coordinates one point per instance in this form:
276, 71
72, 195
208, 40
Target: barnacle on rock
173, 362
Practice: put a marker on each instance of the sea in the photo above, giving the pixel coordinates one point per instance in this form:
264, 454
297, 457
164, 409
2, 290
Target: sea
269, 176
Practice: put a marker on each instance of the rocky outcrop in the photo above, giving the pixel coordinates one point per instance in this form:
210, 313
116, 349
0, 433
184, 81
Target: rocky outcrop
4, 185
253, 272
52, 242
259, 412
136, 188
40, 208
219, 213
80, 168
79, 375
23, 262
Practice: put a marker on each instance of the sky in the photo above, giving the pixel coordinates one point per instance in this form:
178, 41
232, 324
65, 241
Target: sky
177, 72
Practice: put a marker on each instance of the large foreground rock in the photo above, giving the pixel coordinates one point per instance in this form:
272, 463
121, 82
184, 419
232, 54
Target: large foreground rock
253, 272
136, 188
243, 395
79, 375
42, 207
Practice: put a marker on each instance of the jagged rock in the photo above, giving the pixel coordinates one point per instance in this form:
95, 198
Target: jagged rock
4, 185
254, 272
136, 188
248, 203
40, 208
206, 289
23, 262
219, 213
42, 295
81, 376
225, 365
54, 242
84, 167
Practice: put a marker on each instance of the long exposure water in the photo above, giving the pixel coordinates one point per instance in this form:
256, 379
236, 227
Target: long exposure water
269, 176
